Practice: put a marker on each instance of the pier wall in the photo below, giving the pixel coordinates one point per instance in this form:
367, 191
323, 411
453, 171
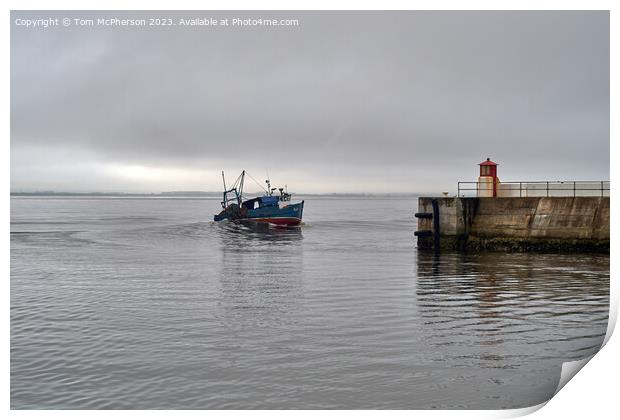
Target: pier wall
517, 223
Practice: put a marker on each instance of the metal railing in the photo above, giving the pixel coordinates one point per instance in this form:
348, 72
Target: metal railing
535, 189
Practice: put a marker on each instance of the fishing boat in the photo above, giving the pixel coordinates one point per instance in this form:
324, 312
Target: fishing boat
269, 208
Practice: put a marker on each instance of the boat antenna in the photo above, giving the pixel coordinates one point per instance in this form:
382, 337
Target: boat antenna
224, 180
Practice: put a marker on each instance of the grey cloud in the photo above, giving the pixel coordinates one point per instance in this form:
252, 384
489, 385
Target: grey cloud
421, 96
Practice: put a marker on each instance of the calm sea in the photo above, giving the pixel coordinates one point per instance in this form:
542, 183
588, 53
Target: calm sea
146, 303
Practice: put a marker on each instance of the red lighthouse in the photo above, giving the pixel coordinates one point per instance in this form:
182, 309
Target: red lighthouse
488, 181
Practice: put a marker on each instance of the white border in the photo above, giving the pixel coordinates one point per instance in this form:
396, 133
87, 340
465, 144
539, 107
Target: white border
591, 394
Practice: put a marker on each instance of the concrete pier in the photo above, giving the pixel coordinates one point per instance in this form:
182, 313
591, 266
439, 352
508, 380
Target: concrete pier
514, 223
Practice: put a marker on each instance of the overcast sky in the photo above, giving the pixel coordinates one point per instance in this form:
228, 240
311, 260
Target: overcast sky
344, 102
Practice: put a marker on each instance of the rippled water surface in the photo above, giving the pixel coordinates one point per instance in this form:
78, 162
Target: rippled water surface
146, 303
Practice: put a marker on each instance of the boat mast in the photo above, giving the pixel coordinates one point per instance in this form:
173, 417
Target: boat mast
224, 197
240, 194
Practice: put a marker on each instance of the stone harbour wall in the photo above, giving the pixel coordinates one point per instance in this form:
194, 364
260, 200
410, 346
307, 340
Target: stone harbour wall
516, 223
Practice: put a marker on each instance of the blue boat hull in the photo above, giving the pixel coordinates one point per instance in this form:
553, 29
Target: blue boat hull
290, 215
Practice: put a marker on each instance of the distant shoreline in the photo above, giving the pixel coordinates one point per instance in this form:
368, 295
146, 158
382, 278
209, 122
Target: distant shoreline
196, 194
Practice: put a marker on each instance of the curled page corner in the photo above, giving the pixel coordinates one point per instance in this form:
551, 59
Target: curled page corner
518, 412
613, 316
570, 369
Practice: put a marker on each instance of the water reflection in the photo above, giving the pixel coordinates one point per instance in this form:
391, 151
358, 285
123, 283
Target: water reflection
261, 272
516, 306
239, 235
